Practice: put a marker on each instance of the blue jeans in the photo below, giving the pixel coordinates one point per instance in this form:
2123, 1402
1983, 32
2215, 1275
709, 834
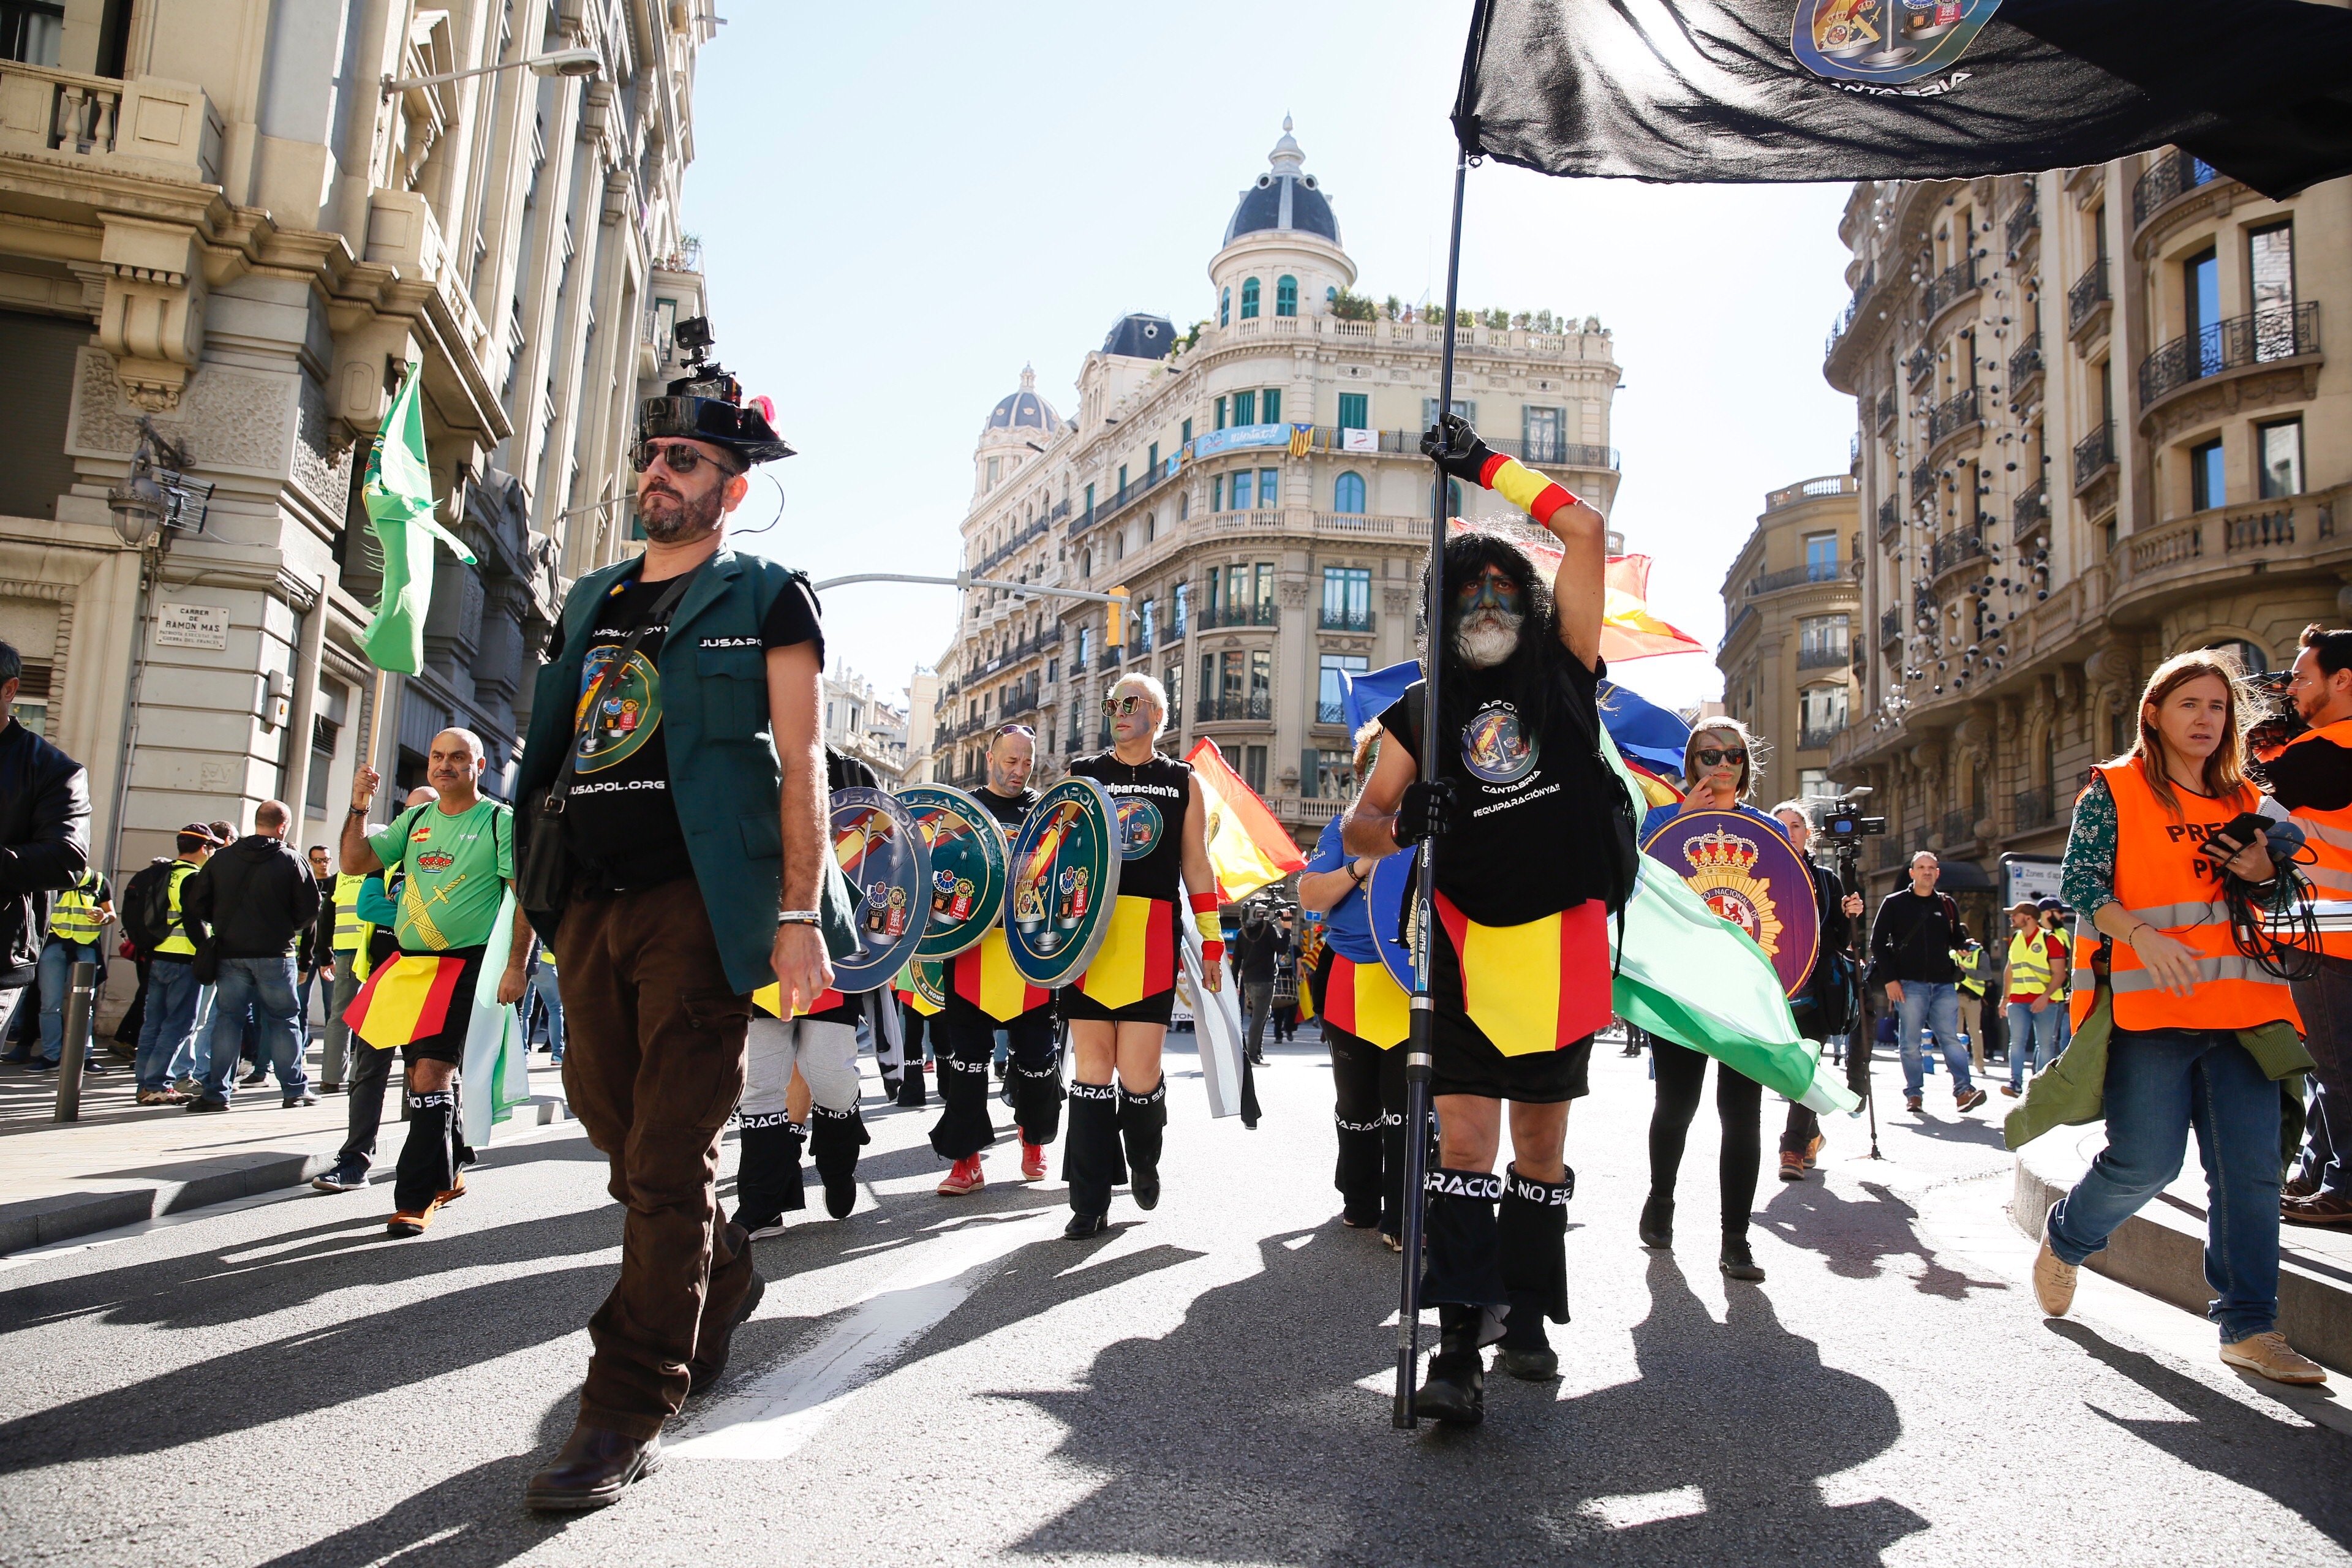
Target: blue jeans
1939, 1006
2161, 1084
266, 987
2031, 1033
171, 1018
549, 996
58, 959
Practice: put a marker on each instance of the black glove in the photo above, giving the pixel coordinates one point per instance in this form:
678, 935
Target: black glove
1456, 448
1423, 812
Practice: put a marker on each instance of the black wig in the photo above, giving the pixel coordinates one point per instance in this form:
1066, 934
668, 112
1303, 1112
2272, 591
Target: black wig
1527, 675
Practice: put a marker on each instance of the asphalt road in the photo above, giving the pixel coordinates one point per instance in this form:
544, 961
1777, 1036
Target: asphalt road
947, 1382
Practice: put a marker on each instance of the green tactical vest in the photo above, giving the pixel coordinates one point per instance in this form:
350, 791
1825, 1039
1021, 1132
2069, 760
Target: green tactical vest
724, 779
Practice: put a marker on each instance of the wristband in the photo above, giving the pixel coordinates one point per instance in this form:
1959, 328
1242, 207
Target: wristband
1212, 952
800, 917
1204, 917
1538, 496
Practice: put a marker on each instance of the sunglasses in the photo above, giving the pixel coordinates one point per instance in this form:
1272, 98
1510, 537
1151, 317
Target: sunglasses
1004, 730
1709, 756
1121, 707
681, 458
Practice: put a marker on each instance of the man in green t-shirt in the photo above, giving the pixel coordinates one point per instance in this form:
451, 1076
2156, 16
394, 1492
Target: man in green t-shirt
455, 857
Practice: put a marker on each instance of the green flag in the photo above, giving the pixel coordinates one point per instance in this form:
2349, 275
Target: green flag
398, 493
1702, 981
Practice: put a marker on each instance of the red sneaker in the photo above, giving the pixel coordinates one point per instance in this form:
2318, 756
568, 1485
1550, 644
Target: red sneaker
963, 1179
1032, 1162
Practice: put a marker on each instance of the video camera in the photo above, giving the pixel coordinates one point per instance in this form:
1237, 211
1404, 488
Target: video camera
2278, 720
1844, 827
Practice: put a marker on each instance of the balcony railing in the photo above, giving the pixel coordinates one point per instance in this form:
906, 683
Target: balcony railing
1853, 309
1954, 414
1954, 549
1795, 576
2088, 293
2032, 510
2025, 364
1814, 738
2175, 174
2284, 333
1958, 828
1216, 616
2023, 221
1949, 285
2093, 454
1919, 362
1330, 712
1347, 620
1886, 411
1890, 627
1824, 657
1225, 710
2035, 808
1923, 480
1888, 515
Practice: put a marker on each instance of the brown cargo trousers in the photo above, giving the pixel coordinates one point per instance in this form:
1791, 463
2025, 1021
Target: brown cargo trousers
653, 1067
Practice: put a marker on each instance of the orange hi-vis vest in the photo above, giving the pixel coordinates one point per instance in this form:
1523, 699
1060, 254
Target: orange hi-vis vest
2162, 879
2329, 834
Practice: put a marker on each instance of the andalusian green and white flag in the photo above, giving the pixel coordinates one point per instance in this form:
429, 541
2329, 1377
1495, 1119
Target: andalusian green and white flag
398, 493
1691, 975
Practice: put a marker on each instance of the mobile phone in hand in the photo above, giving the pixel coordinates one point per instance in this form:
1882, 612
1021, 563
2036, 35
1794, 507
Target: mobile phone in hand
2240, 829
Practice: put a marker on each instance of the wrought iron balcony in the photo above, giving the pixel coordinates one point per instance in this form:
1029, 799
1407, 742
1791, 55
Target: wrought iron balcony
2094, 454
2035, 808
2032, 510
1954, 414
2284, 333
1815, 737
1330, 712
1346, 620
1958, 827
1923, 480
1919, 362
1225, 710
1822, 658
1950, 286
1888, 515
2087, 295
1890, 627
1886, 411
1216, 616
1955, 549
1795, 577
2025, 364
2173, 176
2023, 221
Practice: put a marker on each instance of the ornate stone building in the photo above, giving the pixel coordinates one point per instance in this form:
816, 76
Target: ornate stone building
1256, 484
2099, 425
233, 223
1789, 644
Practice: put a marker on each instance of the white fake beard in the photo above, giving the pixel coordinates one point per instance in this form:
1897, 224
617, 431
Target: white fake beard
1487, 638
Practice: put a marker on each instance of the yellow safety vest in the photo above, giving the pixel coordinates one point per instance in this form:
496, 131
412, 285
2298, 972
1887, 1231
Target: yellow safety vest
74, 917
2031, 970
349, 930
178, 944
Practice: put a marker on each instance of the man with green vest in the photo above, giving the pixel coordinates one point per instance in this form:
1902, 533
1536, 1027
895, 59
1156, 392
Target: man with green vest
171, 985
78, 920
674, 739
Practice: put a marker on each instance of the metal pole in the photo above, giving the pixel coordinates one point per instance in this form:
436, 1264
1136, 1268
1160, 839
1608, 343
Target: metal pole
1418, 1063
80, 996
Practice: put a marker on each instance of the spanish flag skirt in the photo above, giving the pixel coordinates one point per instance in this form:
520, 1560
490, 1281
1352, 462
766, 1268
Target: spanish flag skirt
1133, 979
420, 1002
1515, 1007
984, 988
1360, 999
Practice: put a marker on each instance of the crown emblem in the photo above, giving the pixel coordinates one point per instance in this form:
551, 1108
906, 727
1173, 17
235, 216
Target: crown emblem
1721, 851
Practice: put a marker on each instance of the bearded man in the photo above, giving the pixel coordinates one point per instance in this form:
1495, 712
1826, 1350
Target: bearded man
1521, 799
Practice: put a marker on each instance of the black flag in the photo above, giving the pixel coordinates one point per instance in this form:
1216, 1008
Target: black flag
1744, 90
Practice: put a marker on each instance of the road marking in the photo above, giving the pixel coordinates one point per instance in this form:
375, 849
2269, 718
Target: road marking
788, 1405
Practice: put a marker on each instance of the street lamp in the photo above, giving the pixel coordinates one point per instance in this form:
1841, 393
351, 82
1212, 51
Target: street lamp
561, 63
141, 504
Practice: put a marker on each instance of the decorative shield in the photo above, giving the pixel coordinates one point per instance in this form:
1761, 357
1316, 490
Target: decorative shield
927, 983
883, 854
1885, 42
1747, 874
968, 866
1386, 892
1064, 883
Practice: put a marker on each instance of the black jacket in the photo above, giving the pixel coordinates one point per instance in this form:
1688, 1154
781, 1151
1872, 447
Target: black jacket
44, 842
1912, 938
318, 949
252, 899
1257, 947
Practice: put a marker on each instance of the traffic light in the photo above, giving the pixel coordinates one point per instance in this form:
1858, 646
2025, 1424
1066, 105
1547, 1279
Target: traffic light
1115, 617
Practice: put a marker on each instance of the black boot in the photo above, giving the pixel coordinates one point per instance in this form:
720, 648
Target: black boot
1037, 1102
428, 1165
767, 1177
792, 1184
1454, 1391
1532, 1229
965, 1127
911, 1093
1090, 1155
835, 1137
1143, 1124
1358, 1172
1657, 1226
1739, 1263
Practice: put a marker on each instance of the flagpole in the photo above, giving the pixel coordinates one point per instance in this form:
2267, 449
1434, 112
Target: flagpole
1419, 1061
375, 719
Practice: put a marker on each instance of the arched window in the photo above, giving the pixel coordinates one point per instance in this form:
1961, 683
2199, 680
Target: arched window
1331, 296
2250, 656
1249, 299
1348, 493
1226, 307
1285, 297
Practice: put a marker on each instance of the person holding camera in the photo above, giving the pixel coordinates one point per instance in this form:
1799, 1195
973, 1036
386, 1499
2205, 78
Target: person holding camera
2312, 778
1911, 945
1825, 1006
2165, 839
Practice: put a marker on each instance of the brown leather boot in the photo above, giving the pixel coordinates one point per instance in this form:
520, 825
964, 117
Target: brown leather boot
590, 1472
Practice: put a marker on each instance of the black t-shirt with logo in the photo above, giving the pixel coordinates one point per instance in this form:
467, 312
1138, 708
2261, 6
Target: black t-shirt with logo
1151, 798
1525, 840
620, 825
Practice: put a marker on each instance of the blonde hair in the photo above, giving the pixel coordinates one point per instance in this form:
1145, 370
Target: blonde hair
1723, 726
2225, 769
1367, 746
1153, 691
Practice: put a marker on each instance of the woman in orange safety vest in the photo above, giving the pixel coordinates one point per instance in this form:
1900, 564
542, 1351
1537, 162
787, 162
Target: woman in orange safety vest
2146, 858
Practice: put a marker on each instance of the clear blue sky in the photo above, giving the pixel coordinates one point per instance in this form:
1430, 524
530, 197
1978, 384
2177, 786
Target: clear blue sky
901, 206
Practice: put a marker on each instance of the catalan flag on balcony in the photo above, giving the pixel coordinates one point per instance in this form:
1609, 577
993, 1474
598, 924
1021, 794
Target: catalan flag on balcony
1302, 438
1248, 846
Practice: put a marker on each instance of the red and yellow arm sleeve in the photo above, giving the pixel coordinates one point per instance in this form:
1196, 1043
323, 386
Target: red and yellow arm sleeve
1538, 496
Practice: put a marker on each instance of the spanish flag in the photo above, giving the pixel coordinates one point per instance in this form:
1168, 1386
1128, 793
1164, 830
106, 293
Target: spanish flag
1138, 956
405, 999
984, 976
1627, 630
1365, 1001
1518, 981
1247, 847
769, 999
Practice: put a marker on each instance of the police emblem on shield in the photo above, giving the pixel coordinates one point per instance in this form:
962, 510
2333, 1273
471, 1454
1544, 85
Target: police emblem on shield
968, 869
1745, 871
1887, 43
881, 851
1063, 883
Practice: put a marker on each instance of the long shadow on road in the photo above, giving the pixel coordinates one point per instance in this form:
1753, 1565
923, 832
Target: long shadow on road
1244, 1436
1858, 1240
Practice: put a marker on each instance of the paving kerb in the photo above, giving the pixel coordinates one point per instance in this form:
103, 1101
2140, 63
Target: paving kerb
2162, 1249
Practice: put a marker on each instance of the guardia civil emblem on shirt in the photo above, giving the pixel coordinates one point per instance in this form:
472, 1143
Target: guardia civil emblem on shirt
627, 713
1495, 748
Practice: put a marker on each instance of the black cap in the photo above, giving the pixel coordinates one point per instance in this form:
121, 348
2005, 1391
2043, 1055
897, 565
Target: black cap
707, 404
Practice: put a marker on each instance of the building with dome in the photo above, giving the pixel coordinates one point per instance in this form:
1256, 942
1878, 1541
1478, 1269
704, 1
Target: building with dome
1255, 483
